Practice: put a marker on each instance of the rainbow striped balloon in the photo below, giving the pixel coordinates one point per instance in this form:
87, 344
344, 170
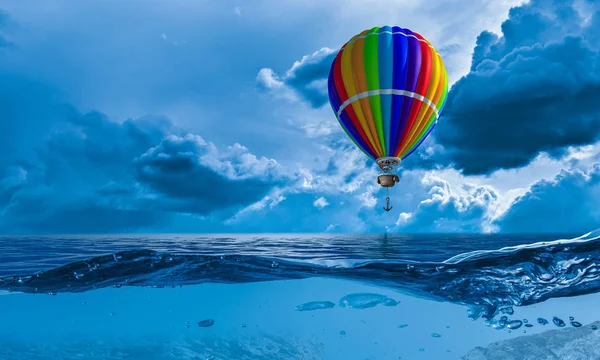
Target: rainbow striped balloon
387, 87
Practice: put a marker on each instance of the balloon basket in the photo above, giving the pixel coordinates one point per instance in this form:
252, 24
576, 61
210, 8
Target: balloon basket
387, 178
387, 164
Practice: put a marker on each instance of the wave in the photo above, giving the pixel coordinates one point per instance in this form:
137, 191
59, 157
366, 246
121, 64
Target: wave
486, 281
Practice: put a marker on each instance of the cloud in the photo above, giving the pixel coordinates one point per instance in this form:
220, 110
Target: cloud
367, 199
67, 172
237, 11
79, 182
320, 202
307, 78
341, 186
566, 204
188, 174
260, 208
449, 50
448, 211
346, 172
534, 89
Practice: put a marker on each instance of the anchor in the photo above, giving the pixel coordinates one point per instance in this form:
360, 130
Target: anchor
387, 204
388, 178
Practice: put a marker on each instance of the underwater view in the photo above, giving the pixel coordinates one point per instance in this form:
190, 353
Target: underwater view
300, 297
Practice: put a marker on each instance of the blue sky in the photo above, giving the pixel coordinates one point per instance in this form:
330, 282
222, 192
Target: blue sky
211, 116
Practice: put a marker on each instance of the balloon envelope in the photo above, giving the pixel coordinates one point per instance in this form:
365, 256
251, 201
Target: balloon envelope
387, 87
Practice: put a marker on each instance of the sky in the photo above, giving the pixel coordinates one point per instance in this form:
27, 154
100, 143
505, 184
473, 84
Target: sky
212, 116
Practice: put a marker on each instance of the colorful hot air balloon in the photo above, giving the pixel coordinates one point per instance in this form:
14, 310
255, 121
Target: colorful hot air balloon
387, 87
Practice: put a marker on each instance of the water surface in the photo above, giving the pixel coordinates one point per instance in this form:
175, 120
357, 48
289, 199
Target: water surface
289, 296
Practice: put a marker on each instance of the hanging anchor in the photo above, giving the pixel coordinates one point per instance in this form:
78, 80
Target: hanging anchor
387, 204
387, 201
387, 179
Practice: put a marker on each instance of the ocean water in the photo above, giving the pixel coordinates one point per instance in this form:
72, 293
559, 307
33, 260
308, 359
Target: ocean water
300, 297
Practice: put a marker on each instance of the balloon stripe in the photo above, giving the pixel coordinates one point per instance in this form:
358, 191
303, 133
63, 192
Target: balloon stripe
346, 125
439, 93
346, 122
353, 135
400, 55
425, 112
337, 79
386, 66
420, 142
441, 96
442, 102
349, 85
372, 75
426, 66
424, 75
397, 31
417, 139
360, 82
412, 77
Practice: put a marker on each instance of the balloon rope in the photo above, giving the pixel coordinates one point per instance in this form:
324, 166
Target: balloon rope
387, 197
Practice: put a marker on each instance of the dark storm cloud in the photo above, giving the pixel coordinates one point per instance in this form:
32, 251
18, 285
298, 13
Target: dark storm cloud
66, 172
566, 204
533, 90
188, 175
81, 177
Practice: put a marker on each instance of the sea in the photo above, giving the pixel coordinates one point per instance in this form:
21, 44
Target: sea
300, 296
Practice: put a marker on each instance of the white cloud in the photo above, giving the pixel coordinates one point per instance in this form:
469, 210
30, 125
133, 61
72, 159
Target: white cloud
269, 79
236, 163
320, 202
267, 203
305, 80
308, 60
348, 170
315, 123
449, 211
237, 11
511, 200
331, 227
367, 199
404, 218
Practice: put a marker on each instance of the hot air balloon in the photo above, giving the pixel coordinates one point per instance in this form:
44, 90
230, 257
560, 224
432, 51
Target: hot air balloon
387, 87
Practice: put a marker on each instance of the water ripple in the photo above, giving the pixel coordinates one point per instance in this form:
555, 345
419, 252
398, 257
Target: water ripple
489, 282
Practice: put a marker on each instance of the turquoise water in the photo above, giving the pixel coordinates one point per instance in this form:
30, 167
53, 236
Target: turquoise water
285, 297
